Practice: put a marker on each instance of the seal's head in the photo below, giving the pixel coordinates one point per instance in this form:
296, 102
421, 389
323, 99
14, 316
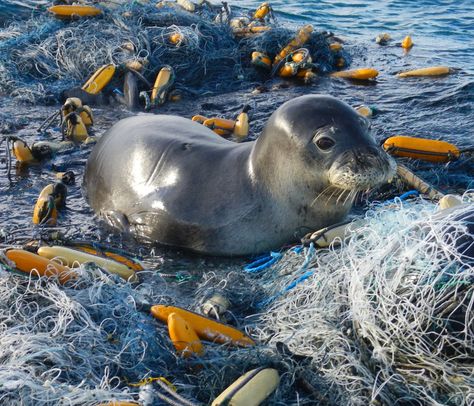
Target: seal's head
320, 143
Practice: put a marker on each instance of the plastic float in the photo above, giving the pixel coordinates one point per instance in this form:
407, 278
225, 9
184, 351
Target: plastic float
205, 328
184, 338
99, 79
34, 264
250, 389
420, 148
71, 257
76, 10
431, 71
358, 74
50, 199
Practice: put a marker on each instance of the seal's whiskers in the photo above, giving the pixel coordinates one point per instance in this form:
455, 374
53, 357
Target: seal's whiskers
352, 195
335, 189
320, 194
343, 191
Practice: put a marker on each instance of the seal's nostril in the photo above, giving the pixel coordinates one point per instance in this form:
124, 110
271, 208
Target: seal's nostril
325, 143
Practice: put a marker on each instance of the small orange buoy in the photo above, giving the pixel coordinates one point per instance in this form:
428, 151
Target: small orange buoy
262, 11
23, 152
288, 70
99, 79
340, 62
261, 60
431, 71
176, 38
28, 262
335, 47
183, 336
46, 207
205, 328
132, 264
77, 10
306, 74
407, 42
221, 126
241, 127
200, 119
303, 35
359, 74
133, 64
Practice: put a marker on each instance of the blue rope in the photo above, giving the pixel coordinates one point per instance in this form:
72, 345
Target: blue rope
262, 263
309, 255
410, 193
402, 197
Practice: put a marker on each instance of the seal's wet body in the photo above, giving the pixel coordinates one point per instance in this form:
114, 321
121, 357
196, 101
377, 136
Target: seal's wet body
178, 183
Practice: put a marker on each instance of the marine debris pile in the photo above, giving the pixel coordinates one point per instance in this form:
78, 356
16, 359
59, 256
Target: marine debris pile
380, 325
377, 311
43, 56
341, 325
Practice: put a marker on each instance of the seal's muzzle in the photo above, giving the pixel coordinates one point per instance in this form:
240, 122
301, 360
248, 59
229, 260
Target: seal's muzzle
361, 169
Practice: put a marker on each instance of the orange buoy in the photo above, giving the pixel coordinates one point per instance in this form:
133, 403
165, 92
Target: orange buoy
99, 79
75, 10
28, 262
288, 70
176, 38
306, 74
262, 11
431, 71
301, 38
420, 148
261, 60
221, 126
73, 257
359, 74
205, 328
257, 29
241, 127
130, 263
50, 198
22, 152
184, 338
407, 42
200, 119
340, 62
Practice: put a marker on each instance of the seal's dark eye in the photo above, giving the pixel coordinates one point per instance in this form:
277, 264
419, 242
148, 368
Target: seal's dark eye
325, 143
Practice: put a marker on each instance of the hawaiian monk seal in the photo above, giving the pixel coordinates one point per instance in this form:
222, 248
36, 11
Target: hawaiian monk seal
178, 183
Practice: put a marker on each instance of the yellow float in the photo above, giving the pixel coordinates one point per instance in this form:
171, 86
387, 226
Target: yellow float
358, 74
71, 257
76, 10
99, 79
31, 263
205, 328
183, 337
431, 71
420, 148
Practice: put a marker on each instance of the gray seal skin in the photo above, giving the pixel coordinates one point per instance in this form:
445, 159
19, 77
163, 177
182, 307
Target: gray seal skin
175, 182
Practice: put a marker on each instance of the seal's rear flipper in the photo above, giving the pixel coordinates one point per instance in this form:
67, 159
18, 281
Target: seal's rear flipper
117, 220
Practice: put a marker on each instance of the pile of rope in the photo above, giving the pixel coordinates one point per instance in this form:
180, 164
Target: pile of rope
42, 56
94, 340
389, 315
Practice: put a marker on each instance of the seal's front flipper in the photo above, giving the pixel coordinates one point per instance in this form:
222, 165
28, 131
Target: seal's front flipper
117, 220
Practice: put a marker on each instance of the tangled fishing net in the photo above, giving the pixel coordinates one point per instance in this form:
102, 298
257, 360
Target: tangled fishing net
42, 56
385, 318
84, 343
388, 317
